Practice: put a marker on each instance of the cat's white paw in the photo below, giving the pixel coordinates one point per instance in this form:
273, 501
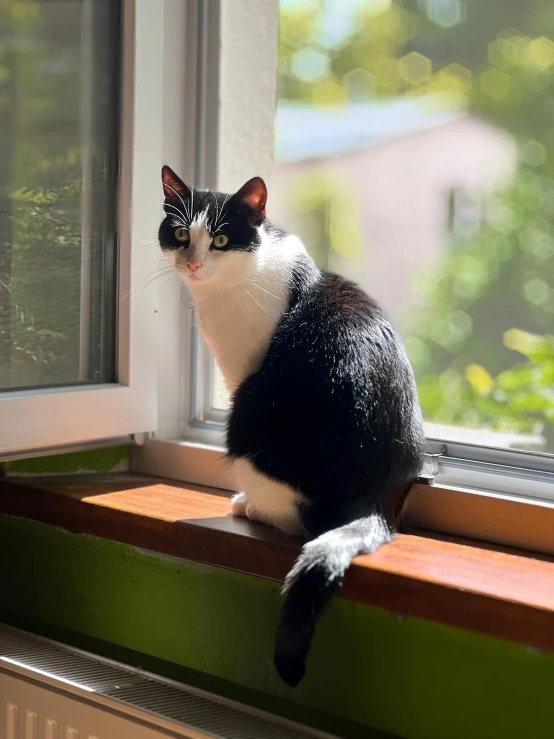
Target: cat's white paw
239, 504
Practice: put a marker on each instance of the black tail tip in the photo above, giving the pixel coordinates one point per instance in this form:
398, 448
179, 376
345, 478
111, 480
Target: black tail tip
291, 668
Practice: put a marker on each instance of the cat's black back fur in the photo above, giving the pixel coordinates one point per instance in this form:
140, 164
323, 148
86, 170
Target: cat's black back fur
333, 413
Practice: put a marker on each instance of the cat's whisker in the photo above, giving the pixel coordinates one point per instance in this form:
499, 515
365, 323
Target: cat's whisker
170, 205
134, 294
263, 288
214, 223
191, 201
180, 198
179, 212
254, 299
152, 274
236, 295
222, 212
173, 274
154, 278
185, 215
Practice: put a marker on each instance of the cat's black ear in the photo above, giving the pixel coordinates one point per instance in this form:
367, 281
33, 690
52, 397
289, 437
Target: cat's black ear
251, 199
175, 190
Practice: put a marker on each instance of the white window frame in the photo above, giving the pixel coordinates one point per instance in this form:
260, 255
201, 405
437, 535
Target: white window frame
44, 419
230, 55
473, 489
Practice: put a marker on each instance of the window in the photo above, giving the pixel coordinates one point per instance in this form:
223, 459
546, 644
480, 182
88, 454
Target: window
74, 365
465, 215
411, 152
392, 105
58, 133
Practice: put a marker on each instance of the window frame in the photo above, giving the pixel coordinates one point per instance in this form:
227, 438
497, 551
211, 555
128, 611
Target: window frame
469, 469
39, 420
229, 80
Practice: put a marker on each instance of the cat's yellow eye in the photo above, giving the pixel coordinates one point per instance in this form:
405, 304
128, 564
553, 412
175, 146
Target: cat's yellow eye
181, 234
220, 241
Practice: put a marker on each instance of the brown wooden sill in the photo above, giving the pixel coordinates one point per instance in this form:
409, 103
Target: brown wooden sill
464, 584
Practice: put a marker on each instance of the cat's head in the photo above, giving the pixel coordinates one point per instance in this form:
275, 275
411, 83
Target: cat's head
207, 236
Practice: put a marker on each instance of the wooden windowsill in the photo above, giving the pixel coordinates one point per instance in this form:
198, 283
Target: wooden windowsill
490, 590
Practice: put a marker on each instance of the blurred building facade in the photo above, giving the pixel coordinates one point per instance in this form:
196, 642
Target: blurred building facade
415, 171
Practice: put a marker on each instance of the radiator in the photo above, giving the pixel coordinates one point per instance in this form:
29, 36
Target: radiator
51, 691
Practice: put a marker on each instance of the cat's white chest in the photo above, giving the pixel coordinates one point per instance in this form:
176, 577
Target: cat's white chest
238, 320
238, 326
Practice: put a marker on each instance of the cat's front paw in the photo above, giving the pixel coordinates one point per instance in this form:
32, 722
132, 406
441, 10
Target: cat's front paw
239, 504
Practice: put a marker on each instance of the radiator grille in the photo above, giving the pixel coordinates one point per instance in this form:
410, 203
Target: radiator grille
119, 688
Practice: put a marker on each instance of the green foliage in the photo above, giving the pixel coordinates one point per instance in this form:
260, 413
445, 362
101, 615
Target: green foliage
487, 282
331, 211
46, 268
43, 239
360, 64
497, 59
519, 399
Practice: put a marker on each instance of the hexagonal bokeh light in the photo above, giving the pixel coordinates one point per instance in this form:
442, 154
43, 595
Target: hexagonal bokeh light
415, 67
445, 13
310, 65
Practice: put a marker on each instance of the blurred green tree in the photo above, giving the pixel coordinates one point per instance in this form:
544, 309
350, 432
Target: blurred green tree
497, 59
519, 399
329, 210
47, 129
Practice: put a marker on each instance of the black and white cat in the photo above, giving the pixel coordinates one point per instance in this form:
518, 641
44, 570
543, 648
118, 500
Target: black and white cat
325, 432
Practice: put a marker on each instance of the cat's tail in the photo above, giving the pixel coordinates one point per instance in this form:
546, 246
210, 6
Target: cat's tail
316, 575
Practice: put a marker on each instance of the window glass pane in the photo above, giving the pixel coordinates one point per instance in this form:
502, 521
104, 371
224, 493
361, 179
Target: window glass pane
414, 153
58, 165
221, 399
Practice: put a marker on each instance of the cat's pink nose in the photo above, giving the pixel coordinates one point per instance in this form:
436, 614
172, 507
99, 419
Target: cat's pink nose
194, 264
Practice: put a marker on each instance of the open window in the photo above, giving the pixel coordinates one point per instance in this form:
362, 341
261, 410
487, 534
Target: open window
81, 97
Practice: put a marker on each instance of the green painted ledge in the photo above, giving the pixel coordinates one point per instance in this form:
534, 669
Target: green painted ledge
109, 459
368, 668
